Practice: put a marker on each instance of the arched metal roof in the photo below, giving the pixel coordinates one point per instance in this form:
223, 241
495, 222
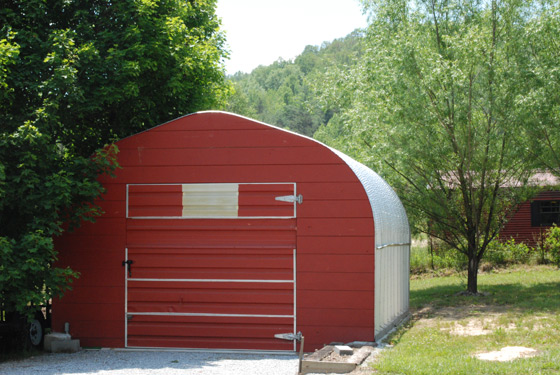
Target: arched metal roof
390, 220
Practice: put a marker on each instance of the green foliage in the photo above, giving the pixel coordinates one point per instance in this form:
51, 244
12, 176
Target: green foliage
509, 252
285, 93
433, 106
552, 243
101, 70
441, 260
44, 192
539, 101
74, 76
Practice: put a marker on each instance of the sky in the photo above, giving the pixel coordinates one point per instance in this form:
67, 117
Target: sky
260, 32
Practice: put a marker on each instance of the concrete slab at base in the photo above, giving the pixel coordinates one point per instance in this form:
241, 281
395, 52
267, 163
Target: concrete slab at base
60, 343
314, 362
343, 350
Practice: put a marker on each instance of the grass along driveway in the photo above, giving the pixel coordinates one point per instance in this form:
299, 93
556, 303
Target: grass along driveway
520, 308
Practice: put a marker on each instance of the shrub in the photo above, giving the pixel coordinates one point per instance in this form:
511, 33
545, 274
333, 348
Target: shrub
552, 243
509, 252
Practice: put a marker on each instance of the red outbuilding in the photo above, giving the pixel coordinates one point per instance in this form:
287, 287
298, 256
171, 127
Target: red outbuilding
220, 232
532, 218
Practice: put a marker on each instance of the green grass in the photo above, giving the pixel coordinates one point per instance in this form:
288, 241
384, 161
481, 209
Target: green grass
521, 307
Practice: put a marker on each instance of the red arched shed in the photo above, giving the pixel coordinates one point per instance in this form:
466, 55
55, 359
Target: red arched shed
220, 232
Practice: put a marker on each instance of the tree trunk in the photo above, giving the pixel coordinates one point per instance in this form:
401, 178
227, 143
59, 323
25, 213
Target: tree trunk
472, 283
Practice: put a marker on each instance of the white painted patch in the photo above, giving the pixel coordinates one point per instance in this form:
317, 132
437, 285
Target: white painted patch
210, 200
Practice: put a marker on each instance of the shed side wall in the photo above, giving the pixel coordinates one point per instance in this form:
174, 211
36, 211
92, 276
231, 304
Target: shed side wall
392, 244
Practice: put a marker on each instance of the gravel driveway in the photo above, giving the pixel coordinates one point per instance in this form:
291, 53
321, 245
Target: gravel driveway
113, 362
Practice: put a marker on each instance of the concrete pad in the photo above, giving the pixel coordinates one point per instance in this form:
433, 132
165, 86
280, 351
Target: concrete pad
343, 350
60, 342
66, 346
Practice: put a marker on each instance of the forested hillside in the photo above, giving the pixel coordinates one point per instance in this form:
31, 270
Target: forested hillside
289, 93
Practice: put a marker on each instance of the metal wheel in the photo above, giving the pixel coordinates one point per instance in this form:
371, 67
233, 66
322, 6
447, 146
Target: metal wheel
36, 331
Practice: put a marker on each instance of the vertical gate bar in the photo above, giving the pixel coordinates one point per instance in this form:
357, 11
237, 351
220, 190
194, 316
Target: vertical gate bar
126, 296
126, 201
295, 299
295, 203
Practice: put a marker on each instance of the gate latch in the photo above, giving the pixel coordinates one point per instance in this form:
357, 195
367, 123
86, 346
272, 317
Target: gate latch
128, 264
290, 198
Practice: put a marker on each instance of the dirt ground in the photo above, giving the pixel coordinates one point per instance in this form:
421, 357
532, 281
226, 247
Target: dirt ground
475, 321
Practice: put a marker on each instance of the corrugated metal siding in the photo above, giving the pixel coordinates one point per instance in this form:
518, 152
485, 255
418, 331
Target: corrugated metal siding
519, 226
392, 266
392, 243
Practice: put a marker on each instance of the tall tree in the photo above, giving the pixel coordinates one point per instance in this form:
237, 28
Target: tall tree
434, 99
102, 70
539, 103
74, 76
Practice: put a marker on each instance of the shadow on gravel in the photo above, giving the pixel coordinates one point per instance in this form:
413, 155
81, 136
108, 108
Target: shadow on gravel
111, 362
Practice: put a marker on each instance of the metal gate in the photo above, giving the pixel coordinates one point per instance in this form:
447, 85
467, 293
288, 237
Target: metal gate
210, 266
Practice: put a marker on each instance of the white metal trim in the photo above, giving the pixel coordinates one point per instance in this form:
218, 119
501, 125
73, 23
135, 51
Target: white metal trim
208, 314
204, 350
126, 200
392, 244
208, 217
216, 280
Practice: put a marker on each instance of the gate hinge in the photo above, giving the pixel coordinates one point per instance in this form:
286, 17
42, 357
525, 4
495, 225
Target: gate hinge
289, 336
290, 198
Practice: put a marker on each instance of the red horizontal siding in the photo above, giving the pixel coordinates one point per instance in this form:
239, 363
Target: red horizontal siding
519, 226
198, 156
334, 281
241, 174
347, 227
211, 298
335, 245
212, 263
225, 139
333, 234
